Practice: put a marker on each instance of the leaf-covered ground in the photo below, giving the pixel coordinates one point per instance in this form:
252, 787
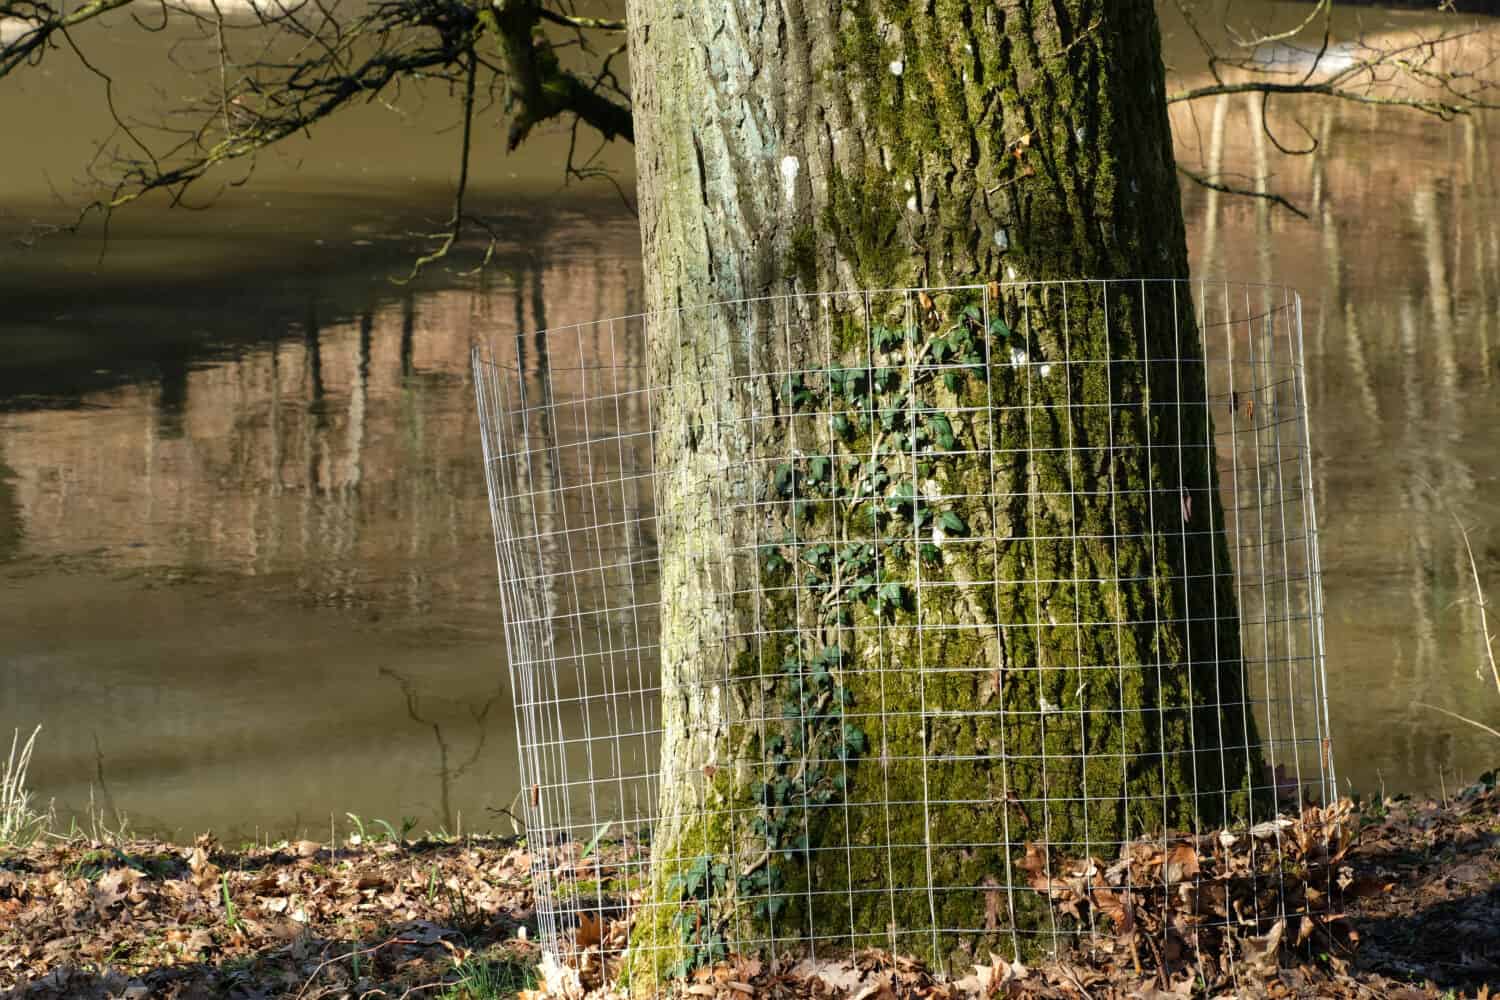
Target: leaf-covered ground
1409, 891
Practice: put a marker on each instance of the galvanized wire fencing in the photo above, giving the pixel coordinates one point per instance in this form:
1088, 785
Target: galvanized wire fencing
938, 620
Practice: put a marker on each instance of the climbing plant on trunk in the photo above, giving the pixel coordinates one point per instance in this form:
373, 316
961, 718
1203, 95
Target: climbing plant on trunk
953, 500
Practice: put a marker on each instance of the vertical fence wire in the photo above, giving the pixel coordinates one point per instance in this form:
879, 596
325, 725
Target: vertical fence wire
1067, 606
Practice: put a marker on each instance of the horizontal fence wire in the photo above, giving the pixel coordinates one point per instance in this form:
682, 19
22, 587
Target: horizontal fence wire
837, 532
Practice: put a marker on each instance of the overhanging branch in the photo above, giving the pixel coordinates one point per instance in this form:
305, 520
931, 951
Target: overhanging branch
539, 87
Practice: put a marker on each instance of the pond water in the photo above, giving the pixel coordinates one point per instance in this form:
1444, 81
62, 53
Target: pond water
246, 576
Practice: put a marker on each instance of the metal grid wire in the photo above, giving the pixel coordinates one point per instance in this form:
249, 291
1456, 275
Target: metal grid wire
579, 488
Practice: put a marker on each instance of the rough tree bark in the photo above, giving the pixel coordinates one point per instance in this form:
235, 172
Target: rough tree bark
816, 144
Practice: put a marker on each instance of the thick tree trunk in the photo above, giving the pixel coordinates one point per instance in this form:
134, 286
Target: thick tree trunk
1065, 684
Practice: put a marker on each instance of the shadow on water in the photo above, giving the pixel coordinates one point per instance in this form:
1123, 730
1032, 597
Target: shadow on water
269, 536
10, 512
451, 766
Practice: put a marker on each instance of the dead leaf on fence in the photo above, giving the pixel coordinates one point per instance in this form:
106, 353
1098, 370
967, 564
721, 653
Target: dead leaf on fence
590, 931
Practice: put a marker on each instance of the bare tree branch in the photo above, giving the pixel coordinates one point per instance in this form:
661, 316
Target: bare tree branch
1220, 186
34, 22
290, 64
1432, 70
294, 63
573, 21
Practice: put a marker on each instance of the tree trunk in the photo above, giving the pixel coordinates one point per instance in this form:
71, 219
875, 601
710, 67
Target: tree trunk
1065, 685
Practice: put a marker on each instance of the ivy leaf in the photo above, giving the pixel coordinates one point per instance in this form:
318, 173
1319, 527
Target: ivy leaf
854, 739
891, 594
841, 425
796, 391
772, 559
942, 432
998, 328
952, 523
901, 498
784, 479
818, 554
940, 348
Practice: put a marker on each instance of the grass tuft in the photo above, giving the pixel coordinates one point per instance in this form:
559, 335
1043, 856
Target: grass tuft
479, 979
20, 823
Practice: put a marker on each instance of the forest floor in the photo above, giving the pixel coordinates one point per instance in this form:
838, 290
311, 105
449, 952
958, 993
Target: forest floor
1410, 896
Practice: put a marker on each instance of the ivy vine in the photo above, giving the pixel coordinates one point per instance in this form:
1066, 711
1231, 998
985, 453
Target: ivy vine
853, 522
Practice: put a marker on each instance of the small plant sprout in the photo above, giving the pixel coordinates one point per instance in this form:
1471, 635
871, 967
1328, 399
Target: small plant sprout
231, 912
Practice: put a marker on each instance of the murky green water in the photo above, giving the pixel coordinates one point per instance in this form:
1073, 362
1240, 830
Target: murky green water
246, 577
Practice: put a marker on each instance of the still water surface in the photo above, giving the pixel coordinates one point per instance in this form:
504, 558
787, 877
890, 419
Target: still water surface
246, 577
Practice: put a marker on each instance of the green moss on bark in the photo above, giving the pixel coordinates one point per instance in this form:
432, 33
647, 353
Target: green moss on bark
1052, 678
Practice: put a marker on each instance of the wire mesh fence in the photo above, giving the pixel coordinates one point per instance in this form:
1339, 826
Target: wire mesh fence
931, 620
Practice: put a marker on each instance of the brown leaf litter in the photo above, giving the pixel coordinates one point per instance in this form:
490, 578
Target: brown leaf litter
1399, 900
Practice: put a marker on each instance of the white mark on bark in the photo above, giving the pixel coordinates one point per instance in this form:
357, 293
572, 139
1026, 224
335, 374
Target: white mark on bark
1010, 272
789, 168
1002, 239
911, 203
897, 67
1046, 370
1017, 357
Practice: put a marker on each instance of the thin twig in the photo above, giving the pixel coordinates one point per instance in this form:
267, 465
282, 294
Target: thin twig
456, 222
1461, 718
1479, 598
397, 939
